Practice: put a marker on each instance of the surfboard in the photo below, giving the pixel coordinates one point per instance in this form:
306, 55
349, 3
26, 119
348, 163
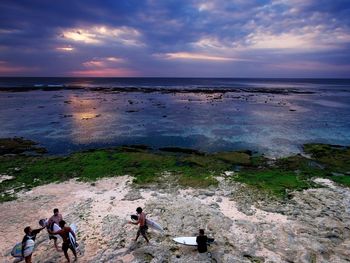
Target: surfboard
71, 237
55, 228
154, 225
190, 241
149, 223
28, 249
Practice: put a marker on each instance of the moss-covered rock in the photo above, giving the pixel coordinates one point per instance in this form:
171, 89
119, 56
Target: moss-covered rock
238, 157
19, 145
186, 168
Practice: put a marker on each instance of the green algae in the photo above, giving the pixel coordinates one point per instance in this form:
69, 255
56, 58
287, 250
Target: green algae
184, 167
239, 157
296, 172
274, 181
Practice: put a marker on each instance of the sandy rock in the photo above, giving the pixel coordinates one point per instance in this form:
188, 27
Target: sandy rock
312, 227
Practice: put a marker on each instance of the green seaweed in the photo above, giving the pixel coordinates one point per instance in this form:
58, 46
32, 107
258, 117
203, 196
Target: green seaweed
186, 168
239, 157
274, 181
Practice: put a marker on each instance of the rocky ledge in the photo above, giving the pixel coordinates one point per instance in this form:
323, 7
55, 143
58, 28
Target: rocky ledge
312, 226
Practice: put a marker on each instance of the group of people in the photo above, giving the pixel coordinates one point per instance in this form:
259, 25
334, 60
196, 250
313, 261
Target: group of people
65, 231
57, 218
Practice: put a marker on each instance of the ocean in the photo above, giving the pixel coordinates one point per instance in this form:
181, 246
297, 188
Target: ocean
271, 116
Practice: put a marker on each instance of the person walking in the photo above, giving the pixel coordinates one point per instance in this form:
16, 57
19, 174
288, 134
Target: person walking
141, 221
67, 243
29, 234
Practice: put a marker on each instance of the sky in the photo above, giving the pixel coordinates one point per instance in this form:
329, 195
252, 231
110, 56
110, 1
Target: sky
175, 38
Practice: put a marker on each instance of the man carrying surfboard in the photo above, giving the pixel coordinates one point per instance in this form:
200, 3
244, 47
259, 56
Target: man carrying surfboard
56, 218
142, 222
65, 233
30, 234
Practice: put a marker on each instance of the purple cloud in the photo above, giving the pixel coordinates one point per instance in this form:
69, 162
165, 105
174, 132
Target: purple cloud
216, 38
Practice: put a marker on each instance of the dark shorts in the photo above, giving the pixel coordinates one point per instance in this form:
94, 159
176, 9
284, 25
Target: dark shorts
142, 230
66, 246
52, 237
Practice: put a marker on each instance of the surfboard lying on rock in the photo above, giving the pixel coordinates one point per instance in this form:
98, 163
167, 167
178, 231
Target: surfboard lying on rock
149, 223
190, 241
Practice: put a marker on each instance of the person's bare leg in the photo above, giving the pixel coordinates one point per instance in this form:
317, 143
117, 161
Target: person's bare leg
56, 246
66, 255
137, 235
28, 259
145, 238
75, 254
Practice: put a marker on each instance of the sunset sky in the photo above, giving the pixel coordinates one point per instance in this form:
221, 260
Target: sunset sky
175, 38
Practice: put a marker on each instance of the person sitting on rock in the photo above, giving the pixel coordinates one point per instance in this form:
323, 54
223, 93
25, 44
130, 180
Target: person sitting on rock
55, 219
67, 244
29, 234
202, 241
142, 222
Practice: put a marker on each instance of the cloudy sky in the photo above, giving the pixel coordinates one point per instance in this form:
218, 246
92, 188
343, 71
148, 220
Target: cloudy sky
175, 38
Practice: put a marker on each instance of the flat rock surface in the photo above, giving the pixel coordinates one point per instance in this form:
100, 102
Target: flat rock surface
314, 226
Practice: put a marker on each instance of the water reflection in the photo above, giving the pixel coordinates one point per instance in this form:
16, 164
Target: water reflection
70, 120
88, 119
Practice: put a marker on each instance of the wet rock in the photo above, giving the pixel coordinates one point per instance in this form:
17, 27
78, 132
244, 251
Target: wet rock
19, 145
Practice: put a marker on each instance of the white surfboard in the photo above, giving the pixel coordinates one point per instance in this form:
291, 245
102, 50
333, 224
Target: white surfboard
28, 249
55, 228
188, 241
71, 237
191, 241
154, 225
150, 223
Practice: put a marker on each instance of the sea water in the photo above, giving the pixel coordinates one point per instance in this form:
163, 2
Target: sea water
271, 116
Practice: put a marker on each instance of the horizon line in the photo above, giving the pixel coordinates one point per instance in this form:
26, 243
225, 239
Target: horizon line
148, 77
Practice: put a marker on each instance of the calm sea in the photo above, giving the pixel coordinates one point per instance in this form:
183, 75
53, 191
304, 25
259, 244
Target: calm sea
273, 116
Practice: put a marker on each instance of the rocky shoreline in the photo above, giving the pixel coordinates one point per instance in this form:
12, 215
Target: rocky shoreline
164, 90
313, 226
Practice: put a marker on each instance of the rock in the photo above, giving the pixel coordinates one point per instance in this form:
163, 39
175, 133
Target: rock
229, 173
254, 259
214, 205
19, 145
5, 177
206, 193
133, 195
311, 227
